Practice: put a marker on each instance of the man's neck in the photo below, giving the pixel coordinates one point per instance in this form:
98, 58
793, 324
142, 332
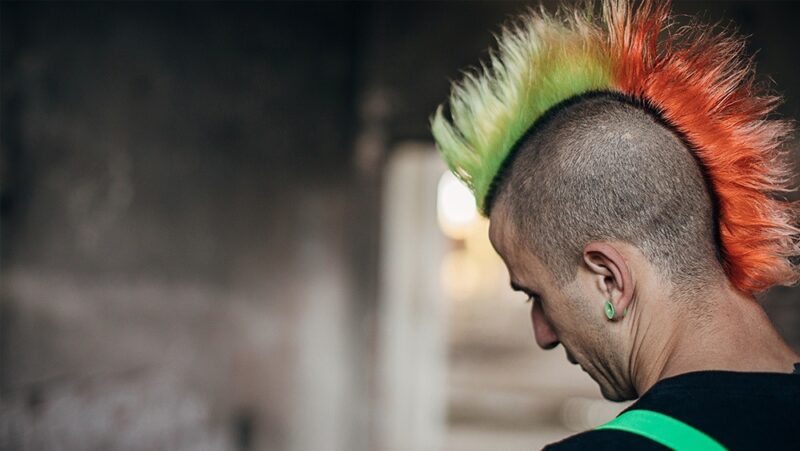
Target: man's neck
733, 334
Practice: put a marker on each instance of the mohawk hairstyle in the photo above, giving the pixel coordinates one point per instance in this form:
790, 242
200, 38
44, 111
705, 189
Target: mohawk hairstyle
695, 78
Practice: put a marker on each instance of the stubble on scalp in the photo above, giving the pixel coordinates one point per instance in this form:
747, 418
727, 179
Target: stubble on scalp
603, 167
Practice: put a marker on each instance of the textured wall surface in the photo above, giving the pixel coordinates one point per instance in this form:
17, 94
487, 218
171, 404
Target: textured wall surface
190, 207
174, 211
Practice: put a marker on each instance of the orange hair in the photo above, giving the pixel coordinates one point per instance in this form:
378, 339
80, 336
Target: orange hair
703, 87
695, 78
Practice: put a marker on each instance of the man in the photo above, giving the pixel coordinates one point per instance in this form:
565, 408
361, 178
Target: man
628, 171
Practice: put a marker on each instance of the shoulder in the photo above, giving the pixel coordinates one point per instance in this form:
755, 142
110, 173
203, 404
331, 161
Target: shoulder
740, 410
605, 440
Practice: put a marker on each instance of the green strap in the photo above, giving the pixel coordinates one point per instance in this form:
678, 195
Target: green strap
663, 429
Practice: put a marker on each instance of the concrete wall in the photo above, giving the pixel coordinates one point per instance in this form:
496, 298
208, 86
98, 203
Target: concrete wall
175, 226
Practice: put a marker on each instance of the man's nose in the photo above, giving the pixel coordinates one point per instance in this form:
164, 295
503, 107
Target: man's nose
545, 335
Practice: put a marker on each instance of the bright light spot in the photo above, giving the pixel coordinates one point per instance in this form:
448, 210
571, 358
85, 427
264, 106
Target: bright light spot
456, 206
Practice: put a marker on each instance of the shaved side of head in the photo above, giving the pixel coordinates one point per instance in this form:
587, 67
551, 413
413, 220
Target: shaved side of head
603, 167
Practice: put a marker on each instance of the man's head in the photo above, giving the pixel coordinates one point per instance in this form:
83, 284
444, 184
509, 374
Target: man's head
604, 169
599, 198
625, 161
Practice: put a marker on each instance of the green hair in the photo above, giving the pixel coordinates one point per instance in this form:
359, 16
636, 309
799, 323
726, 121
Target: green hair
540, 62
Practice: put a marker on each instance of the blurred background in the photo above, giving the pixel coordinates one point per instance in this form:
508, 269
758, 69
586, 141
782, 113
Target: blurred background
225, 227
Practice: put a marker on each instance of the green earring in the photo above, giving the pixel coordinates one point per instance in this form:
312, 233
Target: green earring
609, 309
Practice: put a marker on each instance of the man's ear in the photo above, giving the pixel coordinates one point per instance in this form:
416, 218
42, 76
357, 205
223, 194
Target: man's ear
612, 275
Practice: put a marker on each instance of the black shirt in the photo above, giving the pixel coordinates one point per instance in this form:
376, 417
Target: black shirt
742, 411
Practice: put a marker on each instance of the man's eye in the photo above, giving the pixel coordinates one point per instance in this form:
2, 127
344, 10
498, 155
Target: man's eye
532, 298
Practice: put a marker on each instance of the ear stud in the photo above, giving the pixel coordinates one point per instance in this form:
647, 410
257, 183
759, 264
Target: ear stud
609, 310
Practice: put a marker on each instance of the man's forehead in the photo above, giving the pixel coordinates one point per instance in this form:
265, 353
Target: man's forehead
498, 231
499, 240
494, 234
501, 235
517, 256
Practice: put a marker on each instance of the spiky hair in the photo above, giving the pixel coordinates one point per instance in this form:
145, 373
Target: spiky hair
694, 77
